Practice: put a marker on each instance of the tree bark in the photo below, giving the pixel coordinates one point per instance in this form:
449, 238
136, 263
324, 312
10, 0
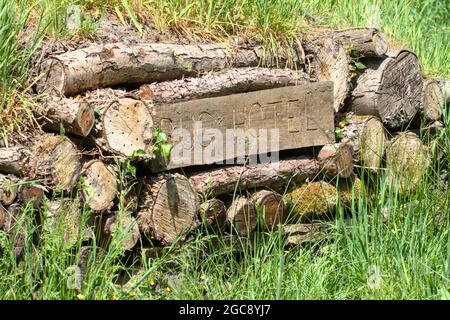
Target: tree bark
272, 205
125, 124
241, 216
100, 185
123, 225
52, 159
8, 189
407, 160
390, 89
362, 42
367, 136
336, 160
221, 84
168, 208
75, 116
108, 65
213, 214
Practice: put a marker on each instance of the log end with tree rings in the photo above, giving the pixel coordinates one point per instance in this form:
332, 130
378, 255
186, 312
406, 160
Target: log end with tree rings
168, 208
127, 127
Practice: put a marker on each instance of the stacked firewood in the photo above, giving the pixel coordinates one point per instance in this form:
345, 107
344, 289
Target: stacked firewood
103, 103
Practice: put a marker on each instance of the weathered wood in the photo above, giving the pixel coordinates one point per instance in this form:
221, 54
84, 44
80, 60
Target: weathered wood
272, 206
100, 185
54, 160
407, 160
168, 208
362, 42
213, 213
445, 87
336, 160
74, 116
367, 136
122, 226
212, 130
299, 233
8, 189
432, 103
330, 62
319, 199
241, 216
390, 89
235, 80
125, 124
14, 226
224, 180
31, 193
108, 65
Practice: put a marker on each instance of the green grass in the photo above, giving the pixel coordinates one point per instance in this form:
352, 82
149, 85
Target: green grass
411, 250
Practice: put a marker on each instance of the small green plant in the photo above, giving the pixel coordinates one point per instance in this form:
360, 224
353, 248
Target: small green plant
161, 144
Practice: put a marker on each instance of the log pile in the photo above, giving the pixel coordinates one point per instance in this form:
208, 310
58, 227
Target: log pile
93, 124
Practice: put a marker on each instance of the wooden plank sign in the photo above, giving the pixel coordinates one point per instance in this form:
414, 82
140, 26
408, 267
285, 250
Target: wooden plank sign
227, 129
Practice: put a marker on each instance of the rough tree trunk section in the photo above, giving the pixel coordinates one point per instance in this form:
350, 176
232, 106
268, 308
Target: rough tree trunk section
225, 180
74, 116
223, 83
362, 42
336, 160
241, 216
213, 214
318, 200
168, 208
8, 189
272, 206
368, 137
108, 65
407, 160
101, 185
31, 193
432, 103
52, 159
14, 226
445, 87
125, 124
330, 62
299, 233
122, 225
390, 89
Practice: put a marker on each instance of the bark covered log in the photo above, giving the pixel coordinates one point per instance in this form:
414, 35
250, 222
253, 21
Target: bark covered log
220, 84
367, 136
336, 160
390, 89
272, 205
407, 160
112, 64
241, 216
168, 208
100, 185
52, 159
124, 227
74, 116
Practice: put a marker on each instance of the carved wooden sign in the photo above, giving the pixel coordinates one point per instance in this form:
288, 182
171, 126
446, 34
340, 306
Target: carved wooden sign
223, 129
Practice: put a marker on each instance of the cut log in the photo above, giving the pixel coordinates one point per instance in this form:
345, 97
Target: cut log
336, 160
272, 206
54, 160
74, 116
445, 87
31, 193
407, 160
100, 185
367, 136
432, 104
220, 84
123, 227
108, 65
298, 234
12, 222
8, 189
168, 208
241, 216
62, 222
125, 124
318, 200
362, 42
213, 213
331, 63
390, 89
220, 129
